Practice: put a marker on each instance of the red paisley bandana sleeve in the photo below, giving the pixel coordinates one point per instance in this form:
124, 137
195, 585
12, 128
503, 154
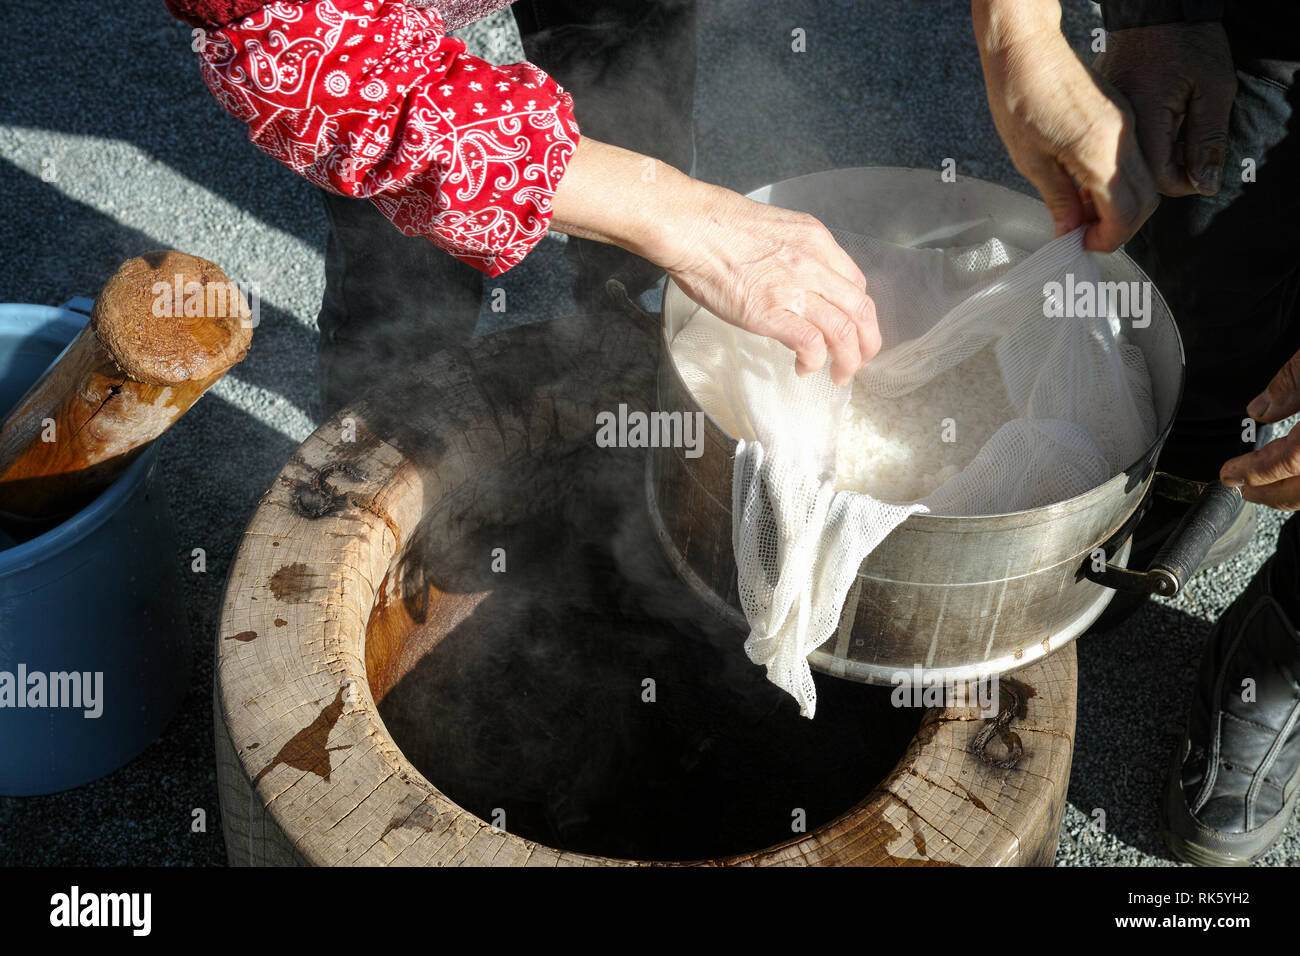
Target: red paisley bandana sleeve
370, 98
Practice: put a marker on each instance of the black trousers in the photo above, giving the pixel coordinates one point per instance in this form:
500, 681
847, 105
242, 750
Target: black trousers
392, 300
1229, 267
1229, 264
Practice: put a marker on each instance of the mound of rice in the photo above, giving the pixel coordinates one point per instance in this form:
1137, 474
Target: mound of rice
902, 449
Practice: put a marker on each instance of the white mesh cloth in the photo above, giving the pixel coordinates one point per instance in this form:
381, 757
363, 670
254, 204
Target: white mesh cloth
1083, 399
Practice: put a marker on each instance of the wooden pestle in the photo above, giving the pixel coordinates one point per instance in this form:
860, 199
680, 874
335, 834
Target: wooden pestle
135, 368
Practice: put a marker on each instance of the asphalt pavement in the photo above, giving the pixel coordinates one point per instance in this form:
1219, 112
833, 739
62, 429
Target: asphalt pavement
110, 145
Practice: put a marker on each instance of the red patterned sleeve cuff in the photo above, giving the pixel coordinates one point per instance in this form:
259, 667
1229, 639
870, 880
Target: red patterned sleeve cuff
370, 98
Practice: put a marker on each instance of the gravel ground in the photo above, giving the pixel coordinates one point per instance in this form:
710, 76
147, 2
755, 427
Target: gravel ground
110, 145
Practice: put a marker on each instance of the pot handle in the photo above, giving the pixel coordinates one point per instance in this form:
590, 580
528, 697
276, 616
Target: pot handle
1214, 506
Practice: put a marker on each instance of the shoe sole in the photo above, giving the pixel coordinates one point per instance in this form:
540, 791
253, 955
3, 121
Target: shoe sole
1196, 855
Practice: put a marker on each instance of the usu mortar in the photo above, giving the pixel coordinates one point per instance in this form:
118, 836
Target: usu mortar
383, 693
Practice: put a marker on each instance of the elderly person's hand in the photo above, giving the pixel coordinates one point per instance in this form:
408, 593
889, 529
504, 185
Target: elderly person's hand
1068, 135
1180, 81
1271, 475
778, 273
767, 270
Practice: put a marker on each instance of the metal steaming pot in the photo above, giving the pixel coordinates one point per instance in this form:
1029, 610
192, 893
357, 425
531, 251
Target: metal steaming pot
959, 597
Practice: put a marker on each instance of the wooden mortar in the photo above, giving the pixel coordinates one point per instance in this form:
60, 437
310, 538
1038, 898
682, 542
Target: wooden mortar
340, 586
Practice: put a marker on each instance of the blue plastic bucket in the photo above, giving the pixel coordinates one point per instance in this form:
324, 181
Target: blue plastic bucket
91, 612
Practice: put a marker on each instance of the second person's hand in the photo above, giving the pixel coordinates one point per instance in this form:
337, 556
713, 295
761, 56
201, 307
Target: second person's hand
1070, 137
1271, 475
1179, 79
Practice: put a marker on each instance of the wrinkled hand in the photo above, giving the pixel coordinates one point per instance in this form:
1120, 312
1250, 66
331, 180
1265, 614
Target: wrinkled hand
1070, 137
1179, 80
767, 270
1271, 475
780, 274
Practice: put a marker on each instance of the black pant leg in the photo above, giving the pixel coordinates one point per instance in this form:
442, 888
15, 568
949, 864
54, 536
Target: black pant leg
1229, 267
1285, 569
390, 301
630, 65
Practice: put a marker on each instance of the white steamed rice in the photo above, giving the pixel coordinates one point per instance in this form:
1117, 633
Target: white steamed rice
893, 448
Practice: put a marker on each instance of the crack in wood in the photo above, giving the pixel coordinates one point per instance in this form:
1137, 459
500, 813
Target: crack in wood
921, 847
970, 797
360, 803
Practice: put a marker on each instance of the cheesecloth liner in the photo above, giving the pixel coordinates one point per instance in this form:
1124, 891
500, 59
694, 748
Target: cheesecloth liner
1083, 398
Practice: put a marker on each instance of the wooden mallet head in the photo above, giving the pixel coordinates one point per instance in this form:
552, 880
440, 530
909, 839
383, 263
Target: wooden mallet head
163, 329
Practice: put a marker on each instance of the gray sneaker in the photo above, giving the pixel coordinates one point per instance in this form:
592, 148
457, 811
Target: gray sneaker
1235, 778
